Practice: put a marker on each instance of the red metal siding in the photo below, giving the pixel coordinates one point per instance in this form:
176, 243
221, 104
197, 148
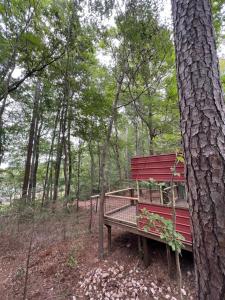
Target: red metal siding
156, 167
182, 219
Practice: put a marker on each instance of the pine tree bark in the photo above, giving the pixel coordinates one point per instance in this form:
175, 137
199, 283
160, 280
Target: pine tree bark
203, 132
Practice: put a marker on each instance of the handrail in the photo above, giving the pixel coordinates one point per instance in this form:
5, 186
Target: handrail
118, 191
124, 197
95, 196
113, 192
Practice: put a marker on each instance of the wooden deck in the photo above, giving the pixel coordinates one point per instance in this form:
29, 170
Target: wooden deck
126, 219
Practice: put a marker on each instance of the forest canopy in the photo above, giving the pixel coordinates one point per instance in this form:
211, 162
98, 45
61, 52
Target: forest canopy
62, 65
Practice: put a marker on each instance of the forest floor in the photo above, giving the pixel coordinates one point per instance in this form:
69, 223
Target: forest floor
63, 262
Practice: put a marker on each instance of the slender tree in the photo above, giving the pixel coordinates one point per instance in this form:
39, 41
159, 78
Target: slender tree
203, 131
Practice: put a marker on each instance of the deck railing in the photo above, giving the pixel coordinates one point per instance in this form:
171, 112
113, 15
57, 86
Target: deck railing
117, 200
114, 203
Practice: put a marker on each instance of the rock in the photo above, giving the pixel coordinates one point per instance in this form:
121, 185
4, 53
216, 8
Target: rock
121, 268
154, 285
105, 275
152, 291
167, 296
183, 292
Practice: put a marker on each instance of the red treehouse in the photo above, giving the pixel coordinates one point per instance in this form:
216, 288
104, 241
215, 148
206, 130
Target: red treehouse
154, 176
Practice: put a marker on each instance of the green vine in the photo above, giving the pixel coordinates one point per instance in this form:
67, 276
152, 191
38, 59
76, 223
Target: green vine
164, 228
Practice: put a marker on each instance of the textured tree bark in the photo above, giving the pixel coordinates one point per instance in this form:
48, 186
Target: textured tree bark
203, 132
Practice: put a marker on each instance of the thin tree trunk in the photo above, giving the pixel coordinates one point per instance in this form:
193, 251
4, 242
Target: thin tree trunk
36, 164
127, 159
117, 153
69, 157
58, 159
92, 170
203, 132
99, 167
47, 179
35, 150
102, 169
78, 174
30, 144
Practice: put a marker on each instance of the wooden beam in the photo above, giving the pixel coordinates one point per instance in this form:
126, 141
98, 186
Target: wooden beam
146, 252
132, 227
118, 191
122, 197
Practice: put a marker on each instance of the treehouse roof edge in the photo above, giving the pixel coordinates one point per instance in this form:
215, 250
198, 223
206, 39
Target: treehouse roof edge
157, 167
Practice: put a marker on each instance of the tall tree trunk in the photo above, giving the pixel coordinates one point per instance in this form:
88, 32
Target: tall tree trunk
47, 176
203, 132
68, 188
92, 170
61, 138
150, 129
127, 156
99, 167
58, 161
92, 167
36, 164
78, 173
35, 156
102, 168
67, 159
30, 143
117, 154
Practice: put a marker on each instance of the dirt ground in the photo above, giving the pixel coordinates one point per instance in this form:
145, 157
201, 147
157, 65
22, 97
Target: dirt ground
63, 262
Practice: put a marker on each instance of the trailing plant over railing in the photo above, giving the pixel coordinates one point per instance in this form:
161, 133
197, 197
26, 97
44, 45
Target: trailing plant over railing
164, 228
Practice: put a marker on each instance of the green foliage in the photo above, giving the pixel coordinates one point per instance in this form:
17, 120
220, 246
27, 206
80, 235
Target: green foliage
71, 261
164, 228
82, 63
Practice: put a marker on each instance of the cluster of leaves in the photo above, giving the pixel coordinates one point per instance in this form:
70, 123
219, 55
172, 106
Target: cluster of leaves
164, 228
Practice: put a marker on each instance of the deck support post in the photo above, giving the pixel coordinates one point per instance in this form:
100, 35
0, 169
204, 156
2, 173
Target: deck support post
170, 262
109, 230
140, 250
146, 251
